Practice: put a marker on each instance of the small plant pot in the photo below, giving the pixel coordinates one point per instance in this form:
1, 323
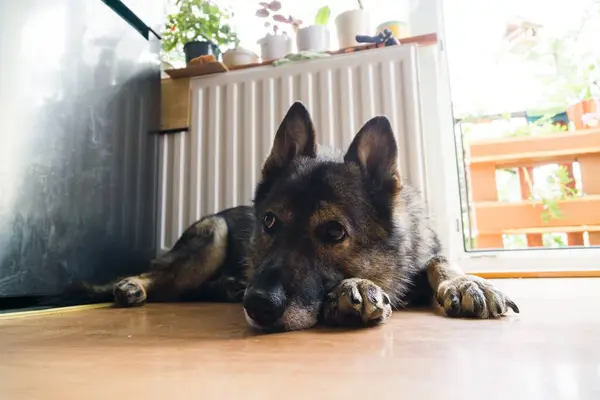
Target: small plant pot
274, 47
239, 56
399, 29
313, 38
577, 111
196, 49
351, 23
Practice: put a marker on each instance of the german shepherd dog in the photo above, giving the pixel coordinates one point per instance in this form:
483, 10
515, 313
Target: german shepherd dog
334, 240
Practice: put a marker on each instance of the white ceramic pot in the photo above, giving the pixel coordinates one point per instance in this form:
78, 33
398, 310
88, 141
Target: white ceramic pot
313, 38
351, 23
274, 47
239, 56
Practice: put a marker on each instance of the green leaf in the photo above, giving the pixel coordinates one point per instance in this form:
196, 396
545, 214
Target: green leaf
197, 20
322, 17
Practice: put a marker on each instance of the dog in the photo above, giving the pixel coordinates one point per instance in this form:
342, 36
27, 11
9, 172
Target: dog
331, 239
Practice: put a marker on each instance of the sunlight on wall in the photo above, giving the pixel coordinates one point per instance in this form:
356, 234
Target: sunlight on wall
36, 31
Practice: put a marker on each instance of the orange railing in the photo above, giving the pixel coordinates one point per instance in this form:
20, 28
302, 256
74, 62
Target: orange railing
579, 214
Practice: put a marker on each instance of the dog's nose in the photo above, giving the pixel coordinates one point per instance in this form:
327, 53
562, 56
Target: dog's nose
264, 307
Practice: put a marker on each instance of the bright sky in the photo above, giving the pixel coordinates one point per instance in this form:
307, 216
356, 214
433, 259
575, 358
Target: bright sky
474, 28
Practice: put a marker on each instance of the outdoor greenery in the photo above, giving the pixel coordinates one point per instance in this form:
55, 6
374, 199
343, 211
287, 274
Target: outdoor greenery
542, 126
561, 185
197, 20
567, 65
575, 67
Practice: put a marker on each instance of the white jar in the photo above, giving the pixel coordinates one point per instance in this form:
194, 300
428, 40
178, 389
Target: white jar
351, 23
274, 47
313, 38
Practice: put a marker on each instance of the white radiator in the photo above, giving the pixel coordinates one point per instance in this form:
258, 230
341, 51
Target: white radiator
235, 116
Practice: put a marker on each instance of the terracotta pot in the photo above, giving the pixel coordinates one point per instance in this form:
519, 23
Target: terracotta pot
578, 110
575, 113
591, 106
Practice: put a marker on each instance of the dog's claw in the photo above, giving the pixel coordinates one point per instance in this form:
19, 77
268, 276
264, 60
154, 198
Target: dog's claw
455, 303
512, 305
355, 296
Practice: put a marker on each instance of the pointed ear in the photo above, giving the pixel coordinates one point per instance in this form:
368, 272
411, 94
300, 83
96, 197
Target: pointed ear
375, 150
295, 137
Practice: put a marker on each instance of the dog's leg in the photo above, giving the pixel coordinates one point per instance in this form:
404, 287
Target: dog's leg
463, 295
196, 256
356, 302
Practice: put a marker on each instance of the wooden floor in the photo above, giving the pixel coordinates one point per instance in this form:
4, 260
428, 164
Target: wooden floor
194, 351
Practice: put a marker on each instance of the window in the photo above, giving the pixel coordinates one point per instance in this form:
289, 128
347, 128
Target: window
524, 147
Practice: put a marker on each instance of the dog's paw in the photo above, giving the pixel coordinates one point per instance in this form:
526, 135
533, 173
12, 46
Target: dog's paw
473, 297
129, 292
356, 302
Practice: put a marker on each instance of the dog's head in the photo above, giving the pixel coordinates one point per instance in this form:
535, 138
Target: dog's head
318, 221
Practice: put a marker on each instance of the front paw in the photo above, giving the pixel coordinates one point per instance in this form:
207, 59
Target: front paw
473, 297
129, 292
356, 302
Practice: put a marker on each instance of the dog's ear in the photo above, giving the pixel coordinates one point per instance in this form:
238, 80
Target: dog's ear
375, 150
295, 137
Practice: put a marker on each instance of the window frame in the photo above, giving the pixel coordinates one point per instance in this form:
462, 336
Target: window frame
442, 180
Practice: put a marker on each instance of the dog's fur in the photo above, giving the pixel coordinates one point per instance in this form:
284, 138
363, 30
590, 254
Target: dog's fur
331, 239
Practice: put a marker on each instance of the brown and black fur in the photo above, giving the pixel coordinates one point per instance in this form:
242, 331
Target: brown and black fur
338, 240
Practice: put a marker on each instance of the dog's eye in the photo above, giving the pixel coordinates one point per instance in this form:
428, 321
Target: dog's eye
270, 222
334, 232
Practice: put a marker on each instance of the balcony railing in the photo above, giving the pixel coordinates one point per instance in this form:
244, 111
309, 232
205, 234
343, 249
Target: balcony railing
579, 214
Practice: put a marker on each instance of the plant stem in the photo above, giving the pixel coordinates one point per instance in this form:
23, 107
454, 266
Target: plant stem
360, 4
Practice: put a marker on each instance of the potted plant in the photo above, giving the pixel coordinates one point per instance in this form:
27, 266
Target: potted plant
277, 44
586, 102
315, 37
351, 23
199, 27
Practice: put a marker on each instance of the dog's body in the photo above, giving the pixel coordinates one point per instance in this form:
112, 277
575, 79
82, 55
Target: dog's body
337, 240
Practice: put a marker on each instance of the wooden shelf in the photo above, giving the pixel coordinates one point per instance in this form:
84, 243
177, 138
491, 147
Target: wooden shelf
175, 104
